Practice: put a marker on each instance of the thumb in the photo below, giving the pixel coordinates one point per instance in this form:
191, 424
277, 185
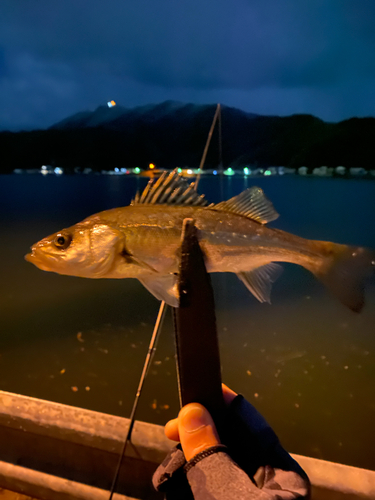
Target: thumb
196, 429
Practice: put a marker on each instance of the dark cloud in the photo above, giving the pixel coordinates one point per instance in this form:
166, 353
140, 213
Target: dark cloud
268, 57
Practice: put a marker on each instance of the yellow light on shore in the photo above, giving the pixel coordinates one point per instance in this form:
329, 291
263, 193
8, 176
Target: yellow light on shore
151, 166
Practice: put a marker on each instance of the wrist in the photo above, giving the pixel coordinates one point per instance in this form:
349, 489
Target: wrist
204, 454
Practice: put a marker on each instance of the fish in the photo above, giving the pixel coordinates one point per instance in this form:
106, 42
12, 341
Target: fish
143, 240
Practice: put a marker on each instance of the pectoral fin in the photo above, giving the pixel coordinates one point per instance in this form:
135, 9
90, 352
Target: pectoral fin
259, 281
163, 288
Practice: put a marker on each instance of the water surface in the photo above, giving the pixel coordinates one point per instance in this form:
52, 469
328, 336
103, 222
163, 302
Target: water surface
306, 362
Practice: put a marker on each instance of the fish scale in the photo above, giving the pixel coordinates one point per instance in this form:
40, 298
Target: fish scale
142, 241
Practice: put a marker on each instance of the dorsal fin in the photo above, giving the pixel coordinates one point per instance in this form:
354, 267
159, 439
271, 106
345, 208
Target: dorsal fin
251, 203
170, 189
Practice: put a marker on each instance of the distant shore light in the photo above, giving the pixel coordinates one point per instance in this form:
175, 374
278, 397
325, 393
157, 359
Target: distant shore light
110, 104
229, 171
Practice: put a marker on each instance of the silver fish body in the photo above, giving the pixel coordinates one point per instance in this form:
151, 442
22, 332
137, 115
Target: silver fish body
230, 242
143, 240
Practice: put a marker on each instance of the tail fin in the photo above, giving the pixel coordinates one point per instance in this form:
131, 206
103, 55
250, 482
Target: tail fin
345, 271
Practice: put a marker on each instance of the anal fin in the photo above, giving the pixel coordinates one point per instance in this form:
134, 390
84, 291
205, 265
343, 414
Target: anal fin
259, 281
163, 287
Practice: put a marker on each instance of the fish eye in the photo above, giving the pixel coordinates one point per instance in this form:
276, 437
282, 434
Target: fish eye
62, 241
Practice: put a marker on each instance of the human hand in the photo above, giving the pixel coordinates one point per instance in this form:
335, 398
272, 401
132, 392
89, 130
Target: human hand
194, 427
256, 461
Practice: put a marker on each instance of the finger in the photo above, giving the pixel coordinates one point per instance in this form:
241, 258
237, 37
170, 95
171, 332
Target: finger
197, 430
171, 430
228, 394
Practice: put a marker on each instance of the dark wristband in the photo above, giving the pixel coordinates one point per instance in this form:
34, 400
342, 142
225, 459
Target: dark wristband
204, 454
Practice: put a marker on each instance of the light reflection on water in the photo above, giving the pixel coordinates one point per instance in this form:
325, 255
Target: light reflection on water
306, 362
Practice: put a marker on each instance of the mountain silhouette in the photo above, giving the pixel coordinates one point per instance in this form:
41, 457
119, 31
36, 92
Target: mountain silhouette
172, 134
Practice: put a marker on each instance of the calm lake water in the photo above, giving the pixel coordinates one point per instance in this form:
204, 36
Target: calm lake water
305, 361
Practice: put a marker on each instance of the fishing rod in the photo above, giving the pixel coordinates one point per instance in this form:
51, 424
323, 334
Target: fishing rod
150, 352
217, 116
213, 401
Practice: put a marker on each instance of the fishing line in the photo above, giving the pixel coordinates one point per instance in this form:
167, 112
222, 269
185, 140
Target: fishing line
217, 116
160, 318
147, 363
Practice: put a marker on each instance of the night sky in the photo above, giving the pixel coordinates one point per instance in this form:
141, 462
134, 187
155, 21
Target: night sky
275, 57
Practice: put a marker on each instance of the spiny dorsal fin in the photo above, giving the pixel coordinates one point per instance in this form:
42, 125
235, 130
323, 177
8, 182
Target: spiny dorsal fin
170, 189
251, 203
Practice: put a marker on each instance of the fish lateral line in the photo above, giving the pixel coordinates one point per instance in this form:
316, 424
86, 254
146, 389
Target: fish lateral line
130, 242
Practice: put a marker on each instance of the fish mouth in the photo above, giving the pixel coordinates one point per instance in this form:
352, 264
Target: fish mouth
32, 257
38, 260
29, 257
